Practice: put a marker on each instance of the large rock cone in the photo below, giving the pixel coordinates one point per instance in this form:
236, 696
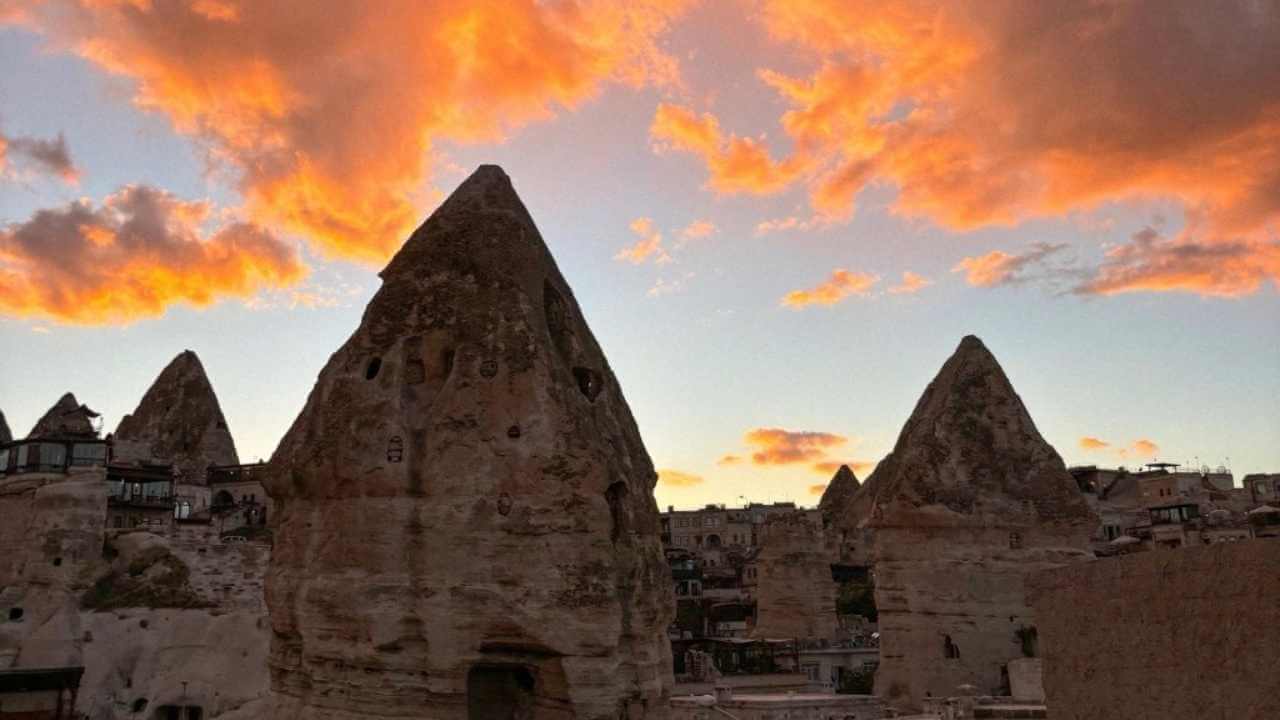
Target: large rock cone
179, 422
66, 419
971, 499
466, 523
843, 486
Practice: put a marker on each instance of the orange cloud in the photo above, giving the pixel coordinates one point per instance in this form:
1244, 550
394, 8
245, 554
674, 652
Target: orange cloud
676, 478
729, 460
829, 467
817, 489
51, 157
1150, 263
1145, 447
839, 286
944, 102
1092, 443
141, 251
911, 283
649, 245
736, 164
776, 446
329, 113
1001, 268
698, 229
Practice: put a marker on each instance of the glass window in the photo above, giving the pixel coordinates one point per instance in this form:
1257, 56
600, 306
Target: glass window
23, 451
53, 455
88, 454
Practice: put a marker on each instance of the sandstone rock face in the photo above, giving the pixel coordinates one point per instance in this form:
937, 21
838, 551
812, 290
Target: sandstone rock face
796, 595
466, 524
178, 422
971, 499
67, 418
5, 435
1187, 634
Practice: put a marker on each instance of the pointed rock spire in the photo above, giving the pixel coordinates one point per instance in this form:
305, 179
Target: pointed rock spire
465, 505
839, 491
970, 449
5, 435
67, 418
971, 499
178, 421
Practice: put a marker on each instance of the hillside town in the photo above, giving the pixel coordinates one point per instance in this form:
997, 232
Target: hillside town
475, 529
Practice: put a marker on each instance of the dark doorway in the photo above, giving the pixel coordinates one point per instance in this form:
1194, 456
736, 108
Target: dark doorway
500, 692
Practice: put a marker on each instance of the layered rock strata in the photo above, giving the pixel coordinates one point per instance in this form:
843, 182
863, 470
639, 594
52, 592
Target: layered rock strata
466, 524
969, 502
178, 422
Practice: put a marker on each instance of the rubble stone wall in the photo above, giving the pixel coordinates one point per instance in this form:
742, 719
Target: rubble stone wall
1189, 634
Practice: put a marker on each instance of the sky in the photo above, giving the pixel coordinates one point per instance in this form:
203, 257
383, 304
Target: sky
778, 216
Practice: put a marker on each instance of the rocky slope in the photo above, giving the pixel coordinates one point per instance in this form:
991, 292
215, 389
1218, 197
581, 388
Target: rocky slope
178, 422
971, 499
796, 596
466, 523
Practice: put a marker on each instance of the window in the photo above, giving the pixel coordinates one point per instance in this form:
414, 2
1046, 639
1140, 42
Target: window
88, 454
53, 455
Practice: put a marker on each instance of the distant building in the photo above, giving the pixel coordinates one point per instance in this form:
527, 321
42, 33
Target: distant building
1263, 488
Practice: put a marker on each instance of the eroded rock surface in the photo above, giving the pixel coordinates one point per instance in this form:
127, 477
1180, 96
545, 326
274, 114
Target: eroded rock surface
178, 422
67, 418
796, 595
466, 518
971, 499
843, 486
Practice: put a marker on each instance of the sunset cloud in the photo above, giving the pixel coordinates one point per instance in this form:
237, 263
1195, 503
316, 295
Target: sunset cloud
729, 460
49, 157
328, 114
1000, 268
945, 103
1139, 448
776, 446
698, 229
736, 164
1150, 263
649, 244
676, 478
139, 252
911, 284
839, 286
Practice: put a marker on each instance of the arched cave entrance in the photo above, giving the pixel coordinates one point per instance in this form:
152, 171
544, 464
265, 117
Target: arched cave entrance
500, 692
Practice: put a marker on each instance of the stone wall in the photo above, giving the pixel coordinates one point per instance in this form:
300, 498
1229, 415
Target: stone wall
1190, 634
796, 595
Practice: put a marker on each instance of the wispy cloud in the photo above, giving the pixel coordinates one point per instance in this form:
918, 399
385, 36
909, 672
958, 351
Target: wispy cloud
676, 478
841, 285
648, 245
1000, 268
48, 157
911, 284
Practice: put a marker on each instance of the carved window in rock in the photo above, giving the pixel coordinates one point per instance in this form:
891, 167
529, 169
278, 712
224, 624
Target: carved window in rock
950, 650
500, 692
1015, 540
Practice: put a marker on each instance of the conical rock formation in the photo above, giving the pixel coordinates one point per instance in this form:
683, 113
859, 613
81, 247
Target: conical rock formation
5, 435
466, 523
971, 499
844, 484
178, 421
67, 418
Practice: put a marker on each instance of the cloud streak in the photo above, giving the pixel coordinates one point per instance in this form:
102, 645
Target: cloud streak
48, 157
139, 252
776, 446
1000, 268
676, 478
841, 285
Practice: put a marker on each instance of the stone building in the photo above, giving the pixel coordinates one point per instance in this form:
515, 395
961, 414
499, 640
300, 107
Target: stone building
1186, 635
971, 499
465, 524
